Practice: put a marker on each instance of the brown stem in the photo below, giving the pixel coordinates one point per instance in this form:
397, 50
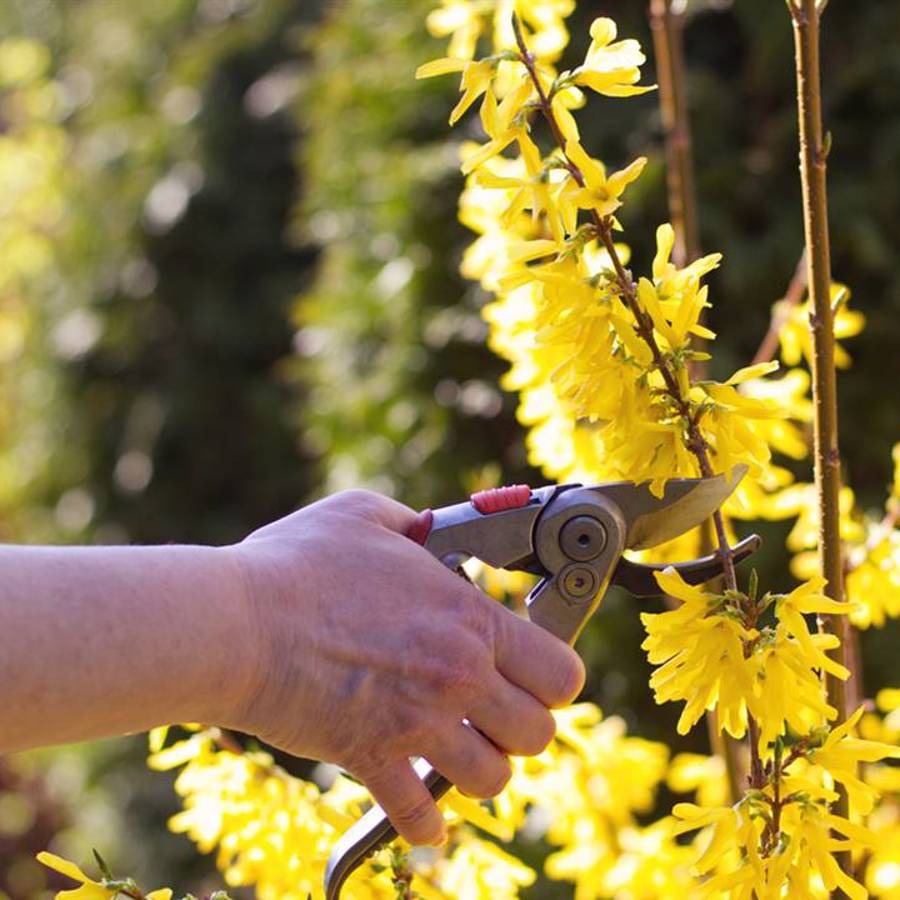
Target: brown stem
768, 348
776, 795
227, 741
813, 156
667, 24
854, 689
402, 876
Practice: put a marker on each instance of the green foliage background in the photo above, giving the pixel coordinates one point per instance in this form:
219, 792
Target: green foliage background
253, 299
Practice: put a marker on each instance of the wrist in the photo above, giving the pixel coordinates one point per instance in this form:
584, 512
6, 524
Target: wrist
233, 682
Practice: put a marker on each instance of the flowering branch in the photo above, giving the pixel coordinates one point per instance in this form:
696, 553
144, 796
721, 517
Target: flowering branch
667, 24
695, 441
603, 225
614, 352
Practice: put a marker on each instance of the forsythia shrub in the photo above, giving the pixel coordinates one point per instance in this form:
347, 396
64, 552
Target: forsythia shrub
606, 367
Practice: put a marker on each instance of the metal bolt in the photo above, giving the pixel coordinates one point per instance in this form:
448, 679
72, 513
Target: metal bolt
582, 538
578, 582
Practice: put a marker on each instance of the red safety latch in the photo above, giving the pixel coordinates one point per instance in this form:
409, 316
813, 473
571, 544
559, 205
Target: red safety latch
498, 499
421, 527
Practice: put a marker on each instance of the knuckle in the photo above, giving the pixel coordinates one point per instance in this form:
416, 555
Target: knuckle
497, 779
475, 613
567, 677
454, 677
540, 735
357, 499
414, 819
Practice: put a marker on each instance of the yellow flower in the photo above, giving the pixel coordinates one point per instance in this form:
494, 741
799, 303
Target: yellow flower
478, 868
704, 774
794, 335
873, 582
543, 22
270, 829
463, 20
790, 394
501, 123
599, 192
532, 190
729, 851
476, 79
90, 889
883, 869
701, 649
807, 599
611, 68
787, 689
841, 755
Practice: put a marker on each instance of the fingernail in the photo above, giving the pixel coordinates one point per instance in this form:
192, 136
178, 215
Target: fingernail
443, 837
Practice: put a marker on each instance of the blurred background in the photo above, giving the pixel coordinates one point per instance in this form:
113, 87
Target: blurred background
228, 285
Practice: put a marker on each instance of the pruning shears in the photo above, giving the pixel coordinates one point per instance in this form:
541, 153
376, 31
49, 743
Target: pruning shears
573, 537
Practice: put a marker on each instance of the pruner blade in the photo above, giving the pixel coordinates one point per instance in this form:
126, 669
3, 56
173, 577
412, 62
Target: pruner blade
685, 504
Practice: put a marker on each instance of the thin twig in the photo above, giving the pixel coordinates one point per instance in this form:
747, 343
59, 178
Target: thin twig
794, 294
667, 25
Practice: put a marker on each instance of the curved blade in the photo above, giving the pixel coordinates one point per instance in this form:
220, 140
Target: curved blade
685, 503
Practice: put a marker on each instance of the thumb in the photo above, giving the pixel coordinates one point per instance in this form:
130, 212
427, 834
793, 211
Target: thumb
377, 508
408, 804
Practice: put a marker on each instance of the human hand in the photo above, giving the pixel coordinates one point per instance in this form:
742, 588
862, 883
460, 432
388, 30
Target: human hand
369, 651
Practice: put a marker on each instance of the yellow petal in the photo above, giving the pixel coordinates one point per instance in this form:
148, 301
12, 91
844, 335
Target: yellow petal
440, 67
603, 31
52, 861
665, 240
756, 371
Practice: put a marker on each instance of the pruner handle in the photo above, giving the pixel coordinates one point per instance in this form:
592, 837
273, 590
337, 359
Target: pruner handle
371, 833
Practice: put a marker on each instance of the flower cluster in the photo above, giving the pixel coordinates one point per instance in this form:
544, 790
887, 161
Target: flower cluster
715, 654
584, 794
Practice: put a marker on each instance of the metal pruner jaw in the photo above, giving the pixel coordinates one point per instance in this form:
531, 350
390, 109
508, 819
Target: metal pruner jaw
684, 504
639, 579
